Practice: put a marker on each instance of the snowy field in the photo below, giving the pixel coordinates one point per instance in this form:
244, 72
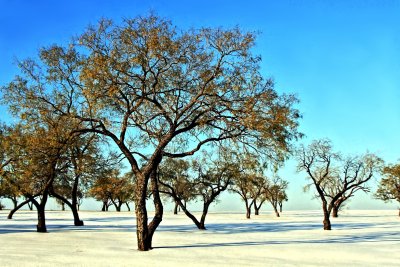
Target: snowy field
358, 238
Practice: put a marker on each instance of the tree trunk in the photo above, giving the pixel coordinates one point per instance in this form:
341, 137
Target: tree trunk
176, 207
280, 207
326, 222
276, 211
399, 212
41, 225
104, 208
206, 205
335, 212
30, 205
256, 211
127, 205
62, 206
15, 202
17, 208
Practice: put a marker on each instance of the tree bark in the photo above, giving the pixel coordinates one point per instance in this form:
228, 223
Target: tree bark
256, 211
10, 215
176, 207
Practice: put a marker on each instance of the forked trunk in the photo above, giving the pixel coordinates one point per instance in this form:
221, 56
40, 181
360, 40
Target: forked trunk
256, 211
146, 231
276, 211
41, 225
104, 207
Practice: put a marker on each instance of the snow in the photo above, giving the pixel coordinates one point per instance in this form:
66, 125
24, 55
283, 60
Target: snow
358, 238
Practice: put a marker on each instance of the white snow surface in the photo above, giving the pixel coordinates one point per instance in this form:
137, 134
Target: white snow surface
357, 238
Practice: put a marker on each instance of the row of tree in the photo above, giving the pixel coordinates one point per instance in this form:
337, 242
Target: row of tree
157, 94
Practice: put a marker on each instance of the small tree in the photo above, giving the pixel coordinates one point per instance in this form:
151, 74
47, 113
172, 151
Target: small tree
389, 187
207, 179
249, 182
275, 192
173, 176
333, 176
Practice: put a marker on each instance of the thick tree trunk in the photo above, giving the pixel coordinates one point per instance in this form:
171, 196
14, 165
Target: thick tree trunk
146, 231
176, 207
10, 215
326, 222
41, 225
204, 214
256, 211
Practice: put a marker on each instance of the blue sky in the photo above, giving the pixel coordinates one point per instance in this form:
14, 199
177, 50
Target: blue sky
342, 60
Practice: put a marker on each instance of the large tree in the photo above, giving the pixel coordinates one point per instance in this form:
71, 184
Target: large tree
389, 187
334, 176
151, 87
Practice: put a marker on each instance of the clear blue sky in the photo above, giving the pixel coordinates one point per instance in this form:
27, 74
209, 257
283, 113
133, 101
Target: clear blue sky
342, 59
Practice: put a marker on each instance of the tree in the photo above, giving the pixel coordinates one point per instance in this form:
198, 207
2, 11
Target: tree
173, 176
38, 158
84, 162
113, 190
389, 187
274, 192
333, 176
249, 182
150, 87
209, 178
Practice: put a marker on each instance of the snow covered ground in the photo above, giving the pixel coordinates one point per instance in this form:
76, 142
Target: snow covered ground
358, 238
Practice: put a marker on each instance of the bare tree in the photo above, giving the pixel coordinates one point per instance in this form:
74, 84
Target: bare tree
150, 87
333, 176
